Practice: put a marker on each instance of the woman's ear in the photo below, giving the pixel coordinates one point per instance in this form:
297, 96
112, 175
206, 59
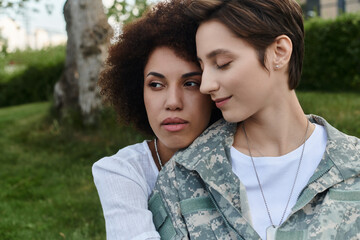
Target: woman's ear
282, 48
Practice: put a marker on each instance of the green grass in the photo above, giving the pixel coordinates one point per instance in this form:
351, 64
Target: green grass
47, 190
341, 110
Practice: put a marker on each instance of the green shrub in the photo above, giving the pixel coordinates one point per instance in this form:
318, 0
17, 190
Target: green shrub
35, 77
332, 54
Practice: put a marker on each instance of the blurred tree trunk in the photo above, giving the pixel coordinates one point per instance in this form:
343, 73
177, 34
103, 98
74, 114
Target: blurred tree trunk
88, 39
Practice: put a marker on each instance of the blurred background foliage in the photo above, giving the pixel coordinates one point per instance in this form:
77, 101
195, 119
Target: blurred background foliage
332, 54
30, 76
123, 12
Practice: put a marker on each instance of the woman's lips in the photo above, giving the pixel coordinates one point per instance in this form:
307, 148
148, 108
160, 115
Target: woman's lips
174, 124
221, 101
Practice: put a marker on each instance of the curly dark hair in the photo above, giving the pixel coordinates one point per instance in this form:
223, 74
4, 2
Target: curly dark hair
122, 81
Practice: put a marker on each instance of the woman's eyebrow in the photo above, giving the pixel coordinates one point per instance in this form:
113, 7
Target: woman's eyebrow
155, 74
217, 52
190, 74
214, 53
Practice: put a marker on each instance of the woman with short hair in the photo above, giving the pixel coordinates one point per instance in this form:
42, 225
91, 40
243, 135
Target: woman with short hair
270, 171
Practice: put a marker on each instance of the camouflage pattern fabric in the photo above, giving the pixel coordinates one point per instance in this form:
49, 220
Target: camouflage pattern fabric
197, 196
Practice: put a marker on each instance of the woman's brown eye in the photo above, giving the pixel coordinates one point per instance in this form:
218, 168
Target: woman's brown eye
155, 85
191, 84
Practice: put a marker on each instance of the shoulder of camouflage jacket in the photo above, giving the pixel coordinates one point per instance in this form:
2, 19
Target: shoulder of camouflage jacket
166, 182
220, 133
343, 150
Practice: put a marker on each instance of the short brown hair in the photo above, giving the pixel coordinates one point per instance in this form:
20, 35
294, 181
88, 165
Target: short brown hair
122, 81
259, 22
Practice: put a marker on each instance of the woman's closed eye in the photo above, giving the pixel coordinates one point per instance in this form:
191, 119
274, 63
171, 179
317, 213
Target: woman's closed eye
223, 65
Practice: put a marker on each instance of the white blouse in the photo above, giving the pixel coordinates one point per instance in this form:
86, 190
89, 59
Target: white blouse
124, 182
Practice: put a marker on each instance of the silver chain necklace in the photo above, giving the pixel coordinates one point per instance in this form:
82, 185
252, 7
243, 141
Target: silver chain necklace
157, 154
270, 231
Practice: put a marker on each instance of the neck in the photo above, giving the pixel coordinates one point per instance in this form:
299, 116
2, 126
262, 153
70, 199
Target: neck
275, 130
165, 153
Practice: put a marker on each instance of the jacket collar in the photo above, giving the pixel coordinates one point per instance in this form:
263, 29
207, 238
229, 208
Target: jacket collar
220, 134
342, 151
340, 162
212, 148
209, 156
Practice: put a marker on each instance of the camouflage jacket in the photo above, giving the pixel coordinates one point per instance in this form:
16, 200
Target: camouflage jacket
197, 196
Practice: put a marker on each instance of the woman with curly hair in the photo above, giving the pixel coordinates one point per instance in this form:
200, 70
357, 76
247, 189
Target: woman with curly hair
152, 79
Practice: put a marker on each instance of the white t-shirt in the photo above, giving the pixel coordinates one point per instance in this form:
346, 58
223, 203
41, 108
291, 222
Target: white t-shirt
276, 176
124, 182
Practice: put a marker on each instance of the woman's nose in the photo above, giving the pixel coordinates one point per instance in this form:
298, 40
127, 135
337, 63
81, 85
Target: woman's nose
208, 82
174, 99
